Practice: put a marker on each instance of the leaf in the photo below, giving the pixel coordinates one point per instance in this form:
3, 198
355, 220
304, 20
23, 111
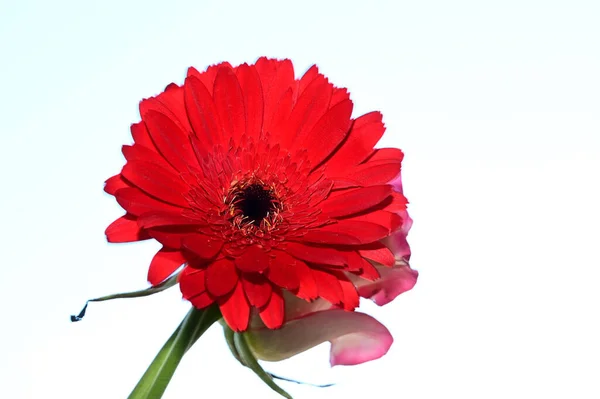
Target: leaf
168, 283
158, 375
248, 359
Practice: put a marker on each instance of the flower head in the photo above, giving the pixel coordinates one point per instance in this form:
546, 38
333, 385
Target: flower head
261, 185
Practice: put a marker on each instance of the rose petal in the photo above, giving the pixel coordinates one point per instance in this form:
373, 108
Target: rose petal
355, 337
397, 242
296, 307
392, 283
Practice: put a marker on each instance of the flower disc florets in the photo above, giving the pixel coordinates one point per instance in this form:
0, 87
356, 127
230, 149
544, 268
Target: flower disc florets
253, 205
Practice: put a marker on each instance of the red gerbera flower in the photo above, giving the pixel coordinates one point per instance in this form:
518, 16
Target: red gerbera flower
259, 182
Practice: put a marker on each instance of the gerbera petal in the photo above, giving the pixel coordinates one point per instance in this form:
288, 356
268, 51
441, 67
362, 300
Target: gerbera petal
307, 78
339, 94
273, 312
172, 98
355, 261
328, 286
282, 271
379, 253
164, 263
201, 300
202, 113
367, 271
159, 218
253, 99
192, 283
355, 337
138, 152
392, 283
229, 102
309, 253
235, 309
396, 203
276, 77
277, 122
141, 136
114, 183
371, 173
125, 229
320, 191
355, 200
350, 299
221, 277
254, 259
307, 289
329, 235
362, 232
204, 246
310, 106
208, 77
386, 154
388, 220
258, 290
156, 181
136, 202
170, 237
340, 183
362, 137
169, 103
328, 133
172, 142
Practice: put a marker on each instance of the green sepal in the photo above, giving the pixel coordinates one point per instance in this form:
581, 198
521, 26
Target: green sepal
158, 375
229, 338
246, 357
168, 283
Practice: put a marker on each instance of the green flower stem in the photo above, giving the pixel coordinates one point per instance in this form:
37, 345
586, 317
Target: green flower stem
153, 383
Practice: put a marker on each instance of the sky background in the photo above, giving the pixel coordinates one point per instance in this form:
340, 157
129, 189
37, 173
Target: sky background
496, 105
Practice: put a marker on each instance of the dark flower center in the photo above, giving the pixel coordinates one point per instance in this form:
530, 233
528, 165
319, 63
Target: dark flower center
255, 202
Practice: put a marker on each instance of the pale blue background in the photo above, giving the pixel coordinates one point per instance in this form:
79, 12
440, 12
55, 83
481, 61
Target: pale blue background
496, 104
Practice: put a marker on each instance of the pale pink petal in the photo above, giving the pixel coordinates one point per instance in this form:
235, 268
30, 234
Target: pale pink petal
397, 184
355, 337
393, 282
397, 242
296, 307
